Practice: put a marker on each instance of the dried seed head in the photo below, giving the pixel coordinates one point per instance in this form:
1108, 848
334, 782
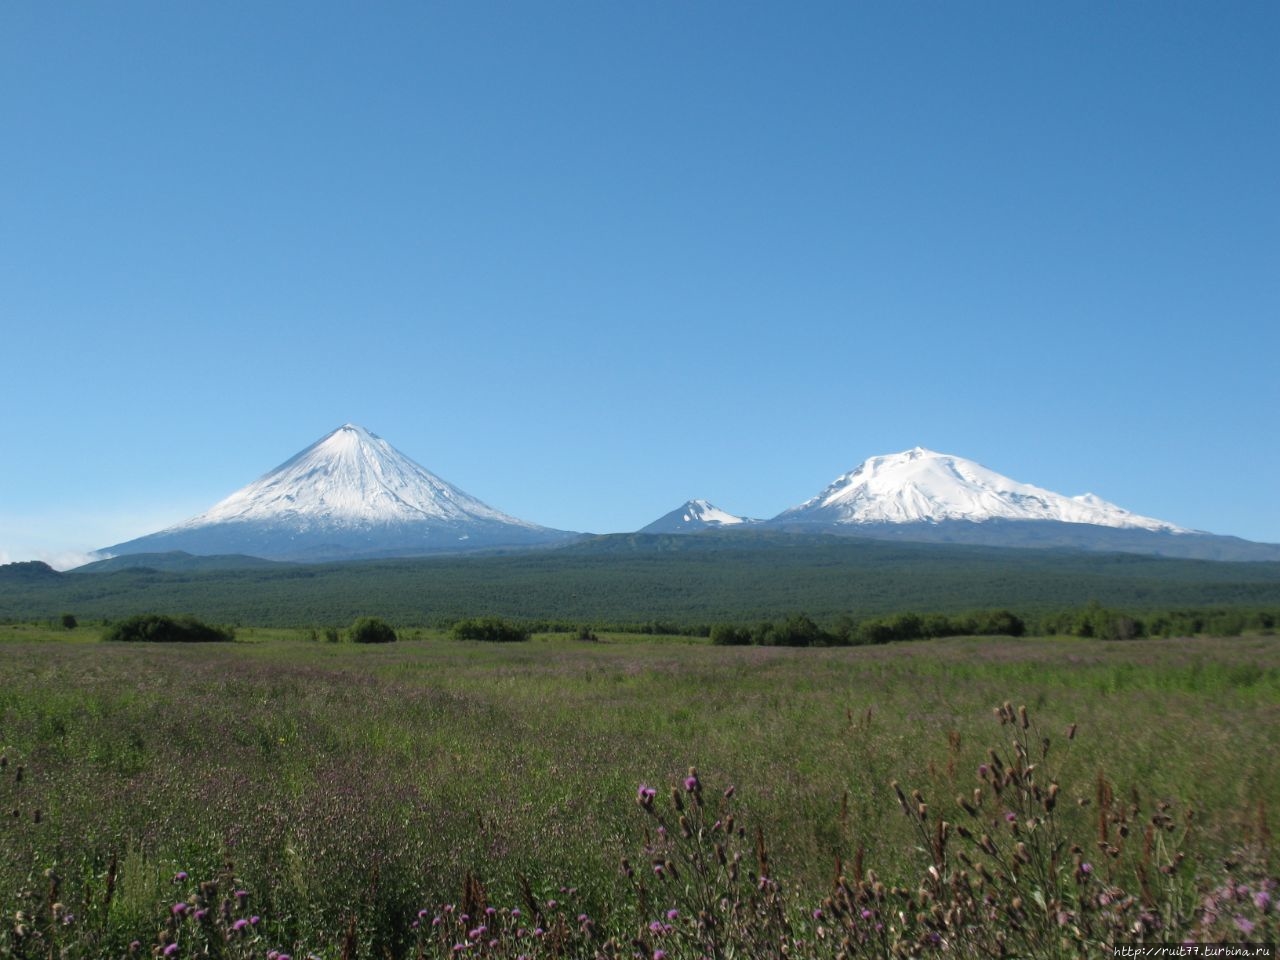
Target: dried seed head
1071, 732
1022, 716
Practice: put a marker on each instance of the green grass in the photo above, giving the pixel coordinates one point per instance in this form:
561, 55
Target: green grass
304, 764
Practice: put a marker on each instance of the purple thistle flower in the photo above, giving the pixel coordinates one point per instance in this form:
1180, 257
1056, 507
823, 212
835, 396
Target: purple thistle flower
515, 911
180, 876
201, 914
1011, 817
178, 909
170, 950
489, 911
867, 914
255, 920
655, 927
1086, 868
672, 914
817, 914
239, 925
690, 784
1262, 900
659, 955
1243, 924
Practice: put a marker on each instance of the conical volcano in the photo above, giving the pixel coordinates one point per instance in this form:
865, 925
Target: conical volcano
350, 494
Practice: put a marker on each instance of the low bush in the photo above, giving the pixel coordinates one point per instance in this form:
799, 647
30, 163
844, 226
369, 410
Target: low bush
372, 630
489, 629
158, 628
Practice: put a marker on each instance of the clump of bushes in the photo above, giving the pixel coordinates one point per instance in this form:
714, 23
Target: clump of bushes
159, 628
490, 630
372, 630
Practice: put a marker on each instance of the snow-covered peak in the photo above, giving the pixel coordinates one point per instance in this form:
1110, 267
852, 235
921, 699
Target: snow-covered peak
704, 511
693, 515
350, 478
920, 485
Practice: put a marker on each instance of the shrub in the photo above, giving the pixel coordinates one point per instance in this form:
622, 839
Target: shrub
68, 621
372, 630
727, 635
158, 628
490, 630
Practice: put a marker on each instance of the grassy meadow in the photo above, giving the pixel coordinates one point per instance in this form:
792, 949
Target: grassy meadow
331, 792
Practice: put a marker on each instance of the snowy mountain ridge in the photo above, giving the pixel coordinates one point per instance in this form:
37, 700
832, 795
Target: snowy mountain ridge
349, 478
694, 515
348, 495
922, 486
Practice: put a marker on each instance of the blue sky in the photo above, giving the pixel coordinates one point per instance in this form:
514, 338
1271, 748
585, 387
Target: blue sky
588, 260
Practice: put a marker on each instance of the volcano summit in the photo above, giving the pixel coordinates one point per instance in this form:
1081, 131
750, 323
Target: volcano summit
349, 495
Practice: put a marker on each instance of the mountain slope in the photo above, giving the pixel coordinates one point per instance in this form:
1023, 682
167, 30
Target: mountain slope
692, 516
921, 486
350, 494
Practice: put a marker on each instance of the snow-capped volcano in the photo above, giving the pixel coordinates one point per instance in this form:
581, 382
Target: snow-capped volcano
693, 515
348, 494
921, 486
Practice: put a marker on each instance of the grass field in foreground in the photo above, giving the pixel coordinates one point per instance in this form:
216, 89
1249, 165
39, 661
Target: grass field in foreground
338, 782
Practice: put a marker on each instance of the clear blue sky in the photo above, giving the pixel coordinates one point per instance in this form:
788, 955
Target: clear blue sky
587, 260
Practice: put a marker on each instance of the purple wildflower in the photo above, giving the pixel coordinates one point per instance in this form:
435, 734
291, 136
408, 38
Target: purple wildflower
1086, 868
178, 909
690, 784
255, 920
170, 950
1262, 900
672, 914
1011, 817
180, 876
1244, 924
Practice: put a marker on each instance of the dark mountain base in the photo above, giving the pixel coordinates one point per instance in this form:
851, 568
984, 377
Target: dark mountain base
1048, 534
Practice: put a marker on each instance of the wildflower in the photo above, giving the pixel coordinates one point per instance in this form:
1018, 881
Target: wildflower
983, 770
659, 955
422, 914
515, 911
135, 946
255, 920
240, 925
178, 909
690, 784
1262, 900
1243, 924
1086, 868
170, 950
645, 796
489, 911
201, 914
817, 914
672, 914
180, 876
